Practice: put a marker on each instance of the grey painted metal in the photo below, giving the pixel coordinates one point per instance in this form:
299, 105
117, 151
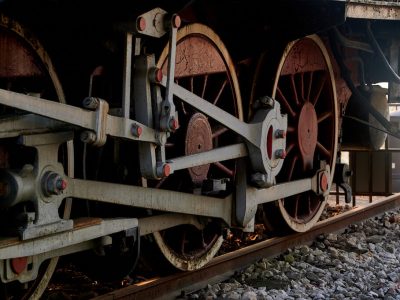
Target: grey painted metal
269, 164
154, 23
246, 209
367, 9
65, 239
151, 198
142, 94
45, 220
126, 76
168, 113
157, 223
29, 124
249, 131
7, 275
211, 156
42, 248
114, 126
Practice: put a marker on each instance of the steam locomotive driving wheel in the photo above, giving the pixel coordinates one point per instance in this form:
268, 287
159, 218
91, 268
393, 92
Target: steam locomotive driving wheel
203, 66
303, 83
26, 68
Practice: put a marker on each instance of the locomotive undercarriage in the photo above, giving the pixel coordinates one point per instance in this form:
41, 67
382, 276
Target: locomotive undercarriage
206, 159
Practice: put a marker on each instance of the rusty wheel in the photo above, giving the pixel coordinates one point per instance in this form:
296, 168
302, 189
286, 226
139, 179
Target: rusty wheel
25, 67
304, 85
204, 67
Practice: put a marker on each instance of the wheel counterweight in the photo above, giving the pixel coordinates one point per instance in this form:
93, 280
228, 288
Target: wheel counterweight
304, 85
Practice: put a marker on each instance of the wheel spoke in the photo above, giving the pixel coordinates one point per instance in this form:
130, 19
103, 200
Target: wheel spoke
294, 89
291, 129
191, 84
325, 116
296, 209
302, 86
292, 167
224, 169
324, 151
219, 131
310, 86
204, 86
320, 88
285, 102
290, 148
220, 92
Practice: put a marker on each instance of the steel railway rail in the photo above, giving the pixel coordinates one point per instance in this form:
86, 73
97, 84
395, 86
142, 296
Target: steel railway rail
224, 266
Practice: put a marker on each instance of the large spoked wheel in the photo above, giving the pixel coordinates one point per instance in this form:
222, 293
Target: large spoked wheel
25, 67
303, 83
204, 67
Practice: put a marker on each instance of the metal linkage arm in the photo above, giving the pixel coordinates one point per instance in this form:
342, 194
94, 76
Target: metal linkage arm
150, 198
248, 131
98, 121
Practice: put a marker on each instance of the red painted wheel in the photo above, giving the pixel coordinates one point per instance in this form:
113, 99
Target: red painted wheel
204, 67
304, 85
25, 67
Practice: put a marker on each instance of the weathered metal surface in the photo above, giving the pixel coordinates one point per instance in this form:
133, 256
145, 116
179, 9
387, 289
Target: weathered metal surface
379, 10
198, 139
16, 59
307, 134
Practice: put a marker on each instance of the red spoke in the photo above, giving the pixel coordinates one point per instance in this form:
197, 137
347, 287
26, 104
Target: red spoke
220, 91
294, 89
290, 148
204, 86
285, 102
291, 129
183, 109
296, 209
184, 241
321, 87
310, 86
325, 116
292, 166
324, 151
191, 84
223, 168
302, 86
219, 131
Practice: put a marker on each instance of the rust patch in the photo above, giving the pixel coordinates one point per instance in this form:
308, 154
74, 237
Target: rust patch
198, 139
15, 58
305, 56
195, 55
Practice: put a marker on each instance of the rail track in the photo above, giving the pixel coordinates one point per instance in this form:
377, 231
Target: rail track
224, 266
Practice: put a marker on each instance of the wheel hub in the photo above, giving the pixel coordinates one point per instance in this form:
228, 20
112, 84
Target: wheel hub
307, 134
198, 139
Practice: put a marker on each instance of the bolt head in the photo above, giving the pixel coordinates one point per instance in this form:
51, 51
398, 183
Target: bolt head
176, 21
61, 184
173, 124
280, 153
158, 75
136, 130
323, 182
140, 24
166, 170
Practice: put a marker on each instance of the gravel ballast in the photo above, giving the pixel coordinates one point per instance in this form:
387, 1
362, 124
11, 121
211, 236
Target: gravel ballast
362, 262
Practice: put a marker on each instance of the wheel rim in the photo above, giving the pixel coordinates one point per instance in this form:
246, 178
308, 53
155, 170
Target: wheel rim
204, 67
34, 64
304, 86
